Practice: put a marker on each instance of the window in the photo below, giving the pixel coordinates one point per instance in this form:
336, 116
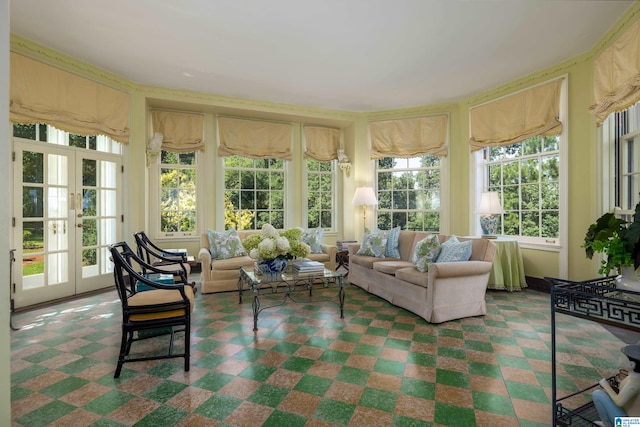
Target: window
320, 194
409, 193
254, 192
526, 175
178, 193
621, 134
47, 133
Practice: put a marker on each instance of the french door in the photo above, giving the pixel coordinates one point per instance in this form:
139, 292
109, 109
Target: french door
67, 213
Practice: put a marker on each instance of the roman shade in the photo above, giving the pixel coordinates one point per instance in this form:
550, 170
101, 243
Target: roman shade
254, 138
409, 137
182, 132
616, 75
322, 143
514, 118
40, 93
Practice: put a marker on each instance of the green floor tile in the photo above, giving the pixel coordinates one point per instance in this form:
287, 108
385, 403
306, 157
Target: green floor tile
422, 359
333, 356
281, 418
313, 385
218, 407
257, 372
213, 381
582, 372
513, 361
64, 386
334, 411
478, 346
485, 369
209, 361
353, 375
349, 336
78, 366
453, 352
425, 338
27, 374
397, 344
41, 356
89, 349
46, 414
493, 403
379, 332
268, 395
526, 392
400, 421
206, 345
249, 354
164, 415
418, 388
500, 339
108, 402
164, 391
390, 367
399, 326
167, 368
378, 399
286, 347
450, 333
449, 415
534, 353
321, 342
452, 378
367, 350
360, 321
298, 364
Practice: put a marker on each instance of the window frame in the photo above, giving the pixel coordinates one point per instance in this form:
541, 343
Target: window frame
443, 189
334, 191
155, 200
541, 243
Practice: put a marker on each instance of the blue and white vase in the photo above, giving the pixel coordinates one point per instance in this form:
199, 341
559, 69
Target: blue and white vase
272, 267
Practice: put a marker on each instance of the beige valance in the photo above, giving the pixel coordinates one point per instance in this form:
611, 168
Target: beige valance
616, 75
409, 137
40, 93
182, 132
254, 138
322, 143
517, 117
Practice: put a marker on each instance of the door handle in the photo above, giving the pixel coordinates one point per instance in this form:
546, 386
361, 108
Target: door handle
72, 202
79, 225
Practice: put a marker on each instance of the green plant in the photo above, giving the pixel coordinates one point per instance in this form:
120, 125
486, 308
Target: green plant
270, 244
618, 239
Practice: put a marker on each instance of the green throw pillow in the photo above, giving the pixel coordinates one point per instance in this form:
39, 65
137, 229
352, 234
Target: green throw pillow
454, 250
373, 243
225, 244
313, 238
425, 252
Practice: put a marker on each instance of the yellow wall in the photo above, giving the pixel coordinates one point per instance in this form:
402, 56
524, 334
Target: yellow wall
582, 197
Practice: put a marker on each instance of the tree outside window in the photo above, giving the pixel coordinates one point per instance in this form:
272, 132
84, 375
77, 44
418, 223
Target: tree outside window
177, 192
526, 175
320, 193
409, 193
253, 187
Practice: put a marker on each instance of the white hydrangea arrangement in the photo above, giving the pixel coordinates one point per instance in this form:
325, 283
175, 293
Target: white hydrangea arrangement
270, 244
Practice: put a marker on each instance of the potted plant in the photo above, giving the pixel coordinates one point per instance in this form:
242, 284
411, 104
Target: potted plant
272, 249
619, 240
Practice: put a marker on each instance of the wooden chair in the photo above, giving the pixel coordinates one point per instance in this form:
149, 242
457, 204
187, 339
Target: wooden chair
153, 255
161, 310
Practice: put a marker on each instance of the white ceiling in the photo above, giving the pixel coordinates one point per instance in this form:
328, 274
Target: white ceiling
352, 55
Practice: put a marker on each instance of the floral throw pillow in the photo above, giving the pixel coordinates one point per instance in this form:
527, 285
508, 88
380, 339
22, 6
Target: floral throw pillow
313, 238
426, 252
374, 243
391, 249
454, 250
226, 244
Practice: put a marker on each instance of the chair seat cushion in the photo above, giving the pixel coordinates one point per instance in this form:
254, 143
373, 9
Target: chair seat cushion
159, 296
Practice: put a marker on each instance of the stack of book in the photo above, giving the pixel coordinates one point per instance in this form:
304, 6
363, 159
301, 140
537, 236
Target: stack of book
307, 267
343, 245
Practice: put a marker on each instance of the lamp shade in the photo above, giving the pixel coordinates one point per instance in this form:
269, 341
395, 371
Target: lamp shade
490, 203
364, 196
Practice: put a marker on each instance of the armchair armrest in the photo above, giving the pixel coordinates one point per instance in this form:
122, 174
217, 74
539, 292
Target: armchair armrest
332, 251
354, 248
205, 260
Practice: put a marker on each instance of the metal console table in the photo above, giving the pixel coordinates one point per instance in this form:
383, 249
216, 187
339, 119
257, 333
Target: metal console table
289, 286
597, 300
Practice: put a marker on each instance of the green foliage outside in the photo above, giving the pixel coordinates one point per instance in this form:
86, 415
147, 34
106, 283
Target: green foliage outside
526, 175
409, 193
178, 192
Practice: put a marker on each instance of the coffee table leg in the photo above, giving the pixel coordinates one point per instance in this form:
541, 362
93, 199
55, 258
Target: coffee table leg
256, 308
240, 283
341, 297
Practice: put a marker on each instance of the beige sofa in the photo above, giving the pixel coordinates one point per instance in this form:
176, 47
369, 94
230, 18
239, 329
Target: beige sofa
220, 275
449, 290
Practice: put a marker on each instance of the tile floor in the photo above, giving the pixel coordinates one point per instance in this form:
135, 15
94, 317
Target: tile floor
380, 366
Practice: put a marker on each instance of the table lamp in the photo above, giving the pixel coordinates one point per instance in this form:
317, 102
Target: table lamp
488, 208
364, 196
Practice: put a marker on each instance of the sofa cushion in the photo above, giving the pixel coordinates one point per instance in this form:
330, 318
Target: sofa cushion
364, 260
454, 250
390, 267
373, 243
412, 275
313, 238
226, 244
425, 252
232, 263
391, 250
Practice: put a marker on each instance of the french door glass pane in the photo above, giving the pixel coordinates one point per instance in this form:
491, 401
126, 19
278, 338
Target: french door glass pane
32, 248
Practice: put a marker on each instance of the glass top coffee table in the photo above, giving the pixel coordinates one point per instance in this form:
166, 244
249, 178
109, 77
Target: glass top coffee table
295, 287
